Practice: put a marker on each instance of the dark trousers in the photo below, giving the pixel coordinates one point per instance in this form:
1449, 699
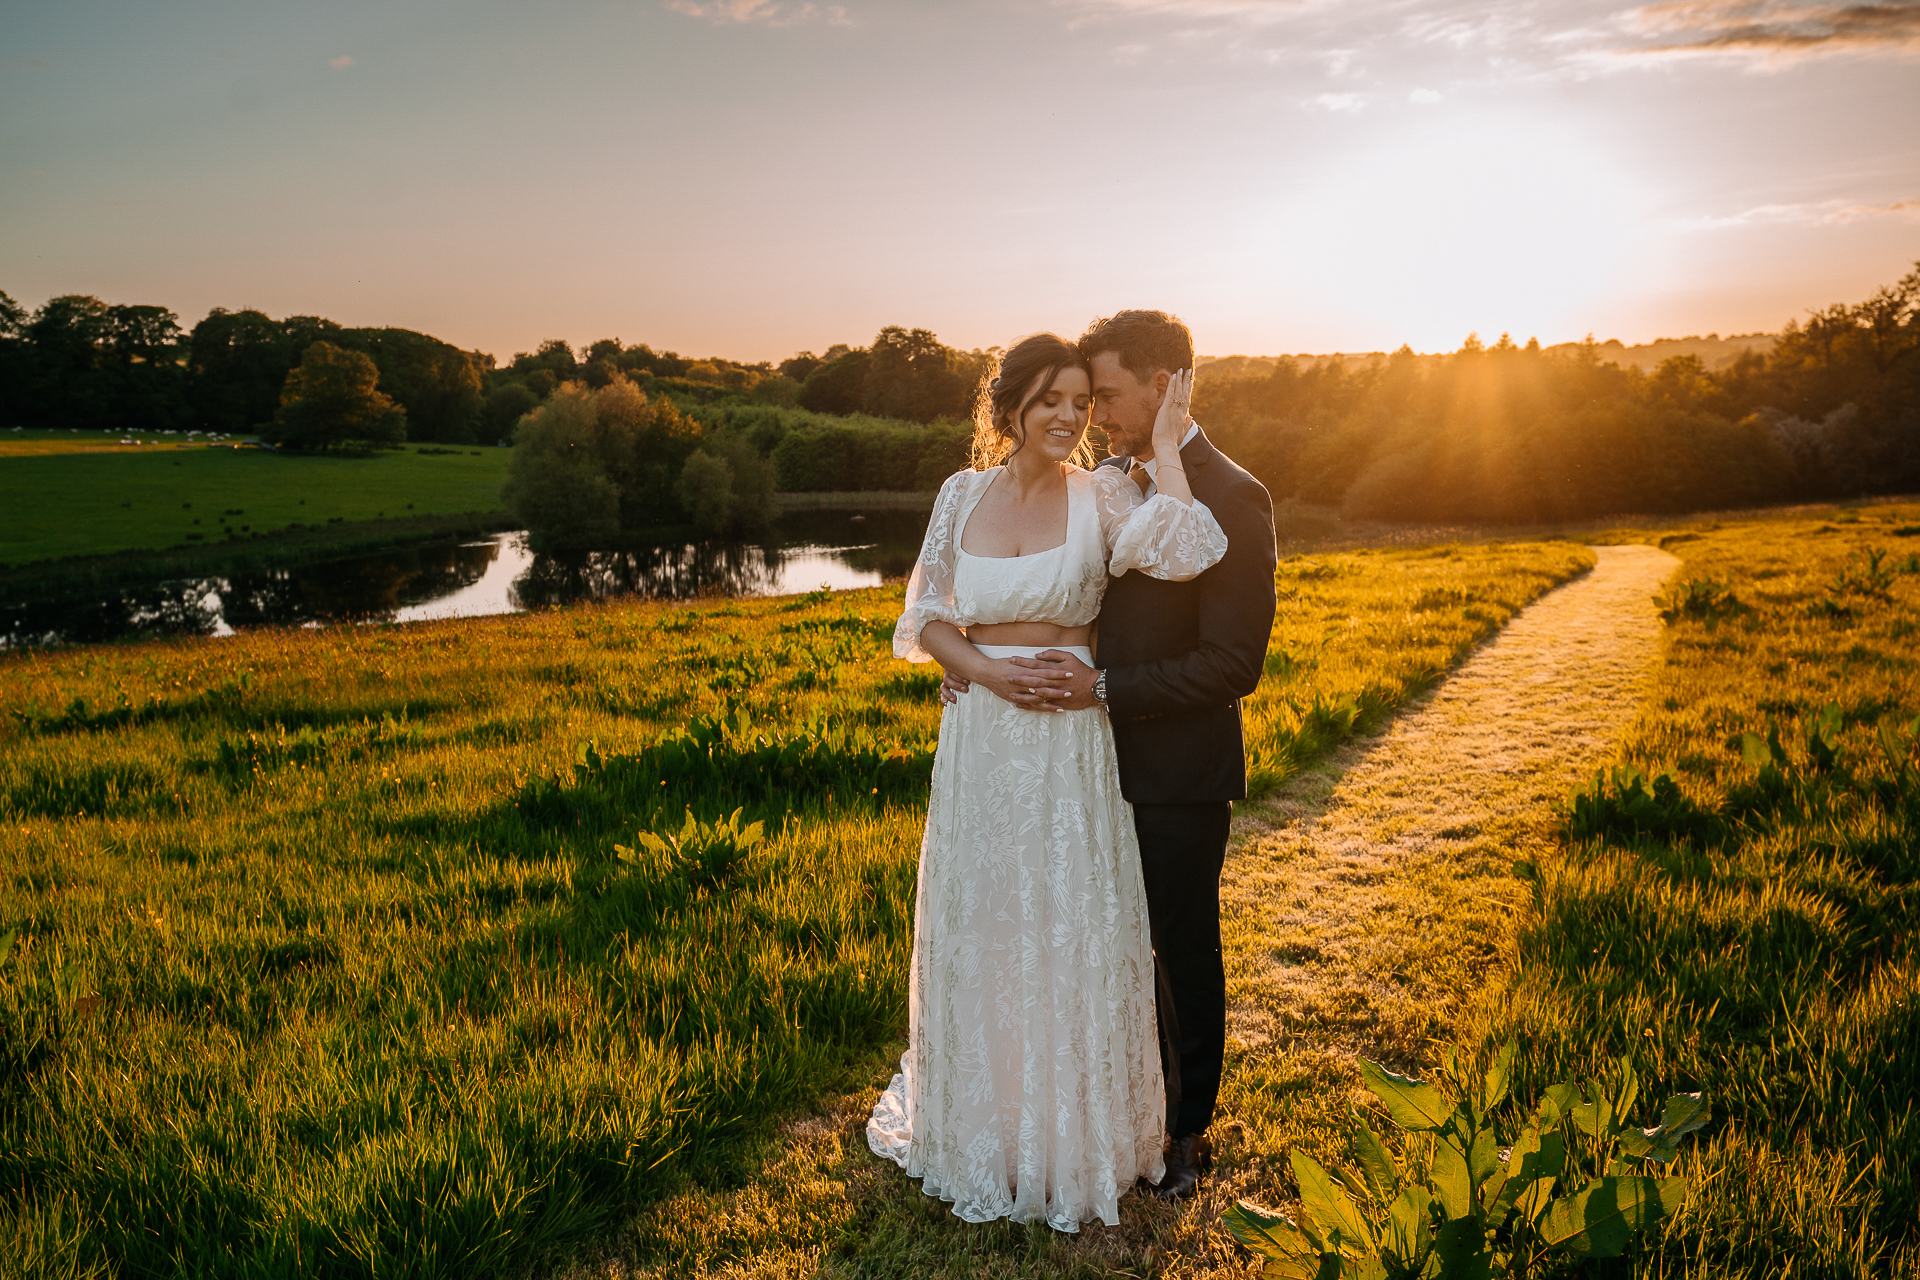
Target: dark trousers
1182, 847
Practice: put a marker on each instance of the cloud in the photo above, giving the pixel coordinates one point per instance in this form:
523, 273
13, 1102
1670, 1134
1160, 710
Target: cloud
1811, 214
340, 63
772, 13
1340, 102
1769, 34
1425, 97
1259, 12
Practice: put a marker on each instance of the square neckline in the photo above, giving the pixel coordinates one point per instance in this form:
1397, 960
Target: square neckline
960, 539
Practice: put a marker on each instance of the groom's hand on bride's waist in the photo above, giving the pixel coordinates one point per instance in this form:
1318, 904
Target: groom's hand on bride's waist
952, 686
1062, 679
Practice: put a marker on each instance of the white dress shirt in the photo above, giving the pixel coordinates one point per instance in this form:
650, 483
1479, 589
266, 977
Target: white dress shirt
1153, 464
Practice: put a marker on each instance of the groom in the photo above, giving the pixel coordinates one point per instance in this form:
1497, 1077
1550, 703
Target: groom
1172, 661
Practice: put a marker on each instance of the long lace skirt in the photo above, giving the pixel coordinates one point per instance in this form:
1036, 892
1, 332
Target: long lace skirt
1031, 1084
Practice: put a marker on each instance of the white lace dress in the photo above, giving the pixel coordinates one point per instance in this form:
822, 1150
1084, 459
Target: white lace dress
1031, 1085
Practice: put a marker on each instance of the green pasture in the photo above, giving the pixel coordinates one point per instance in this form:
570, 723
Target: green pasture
93, 498
338, 953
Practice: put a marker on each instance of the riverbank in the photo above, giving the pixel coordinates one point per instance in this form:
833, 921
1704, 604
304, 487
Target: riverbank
254, 553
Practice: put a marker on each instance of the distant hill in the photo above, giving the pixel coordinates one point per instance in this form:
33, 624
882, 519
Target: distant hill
1714, 351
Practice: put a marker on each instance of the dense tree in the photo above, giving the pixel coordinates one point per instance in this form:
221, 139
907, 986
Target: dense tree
82, 362
238, 362
591, 465
797, 367
726, 486
505, 405
837, 386
912, 375
332, 399
557, 482
435, 382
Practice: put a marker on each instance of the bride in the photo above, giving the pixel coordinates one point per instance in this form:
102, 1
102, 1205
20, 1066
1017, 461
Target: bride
1031, 1084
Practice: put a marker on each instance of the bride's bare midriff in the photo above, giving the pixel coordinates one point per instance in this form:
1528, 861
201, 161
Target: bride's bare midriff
1038, 635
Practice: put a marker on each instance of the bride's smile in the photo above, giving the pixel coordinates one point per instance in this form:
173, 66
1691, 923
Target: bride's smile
1056, 422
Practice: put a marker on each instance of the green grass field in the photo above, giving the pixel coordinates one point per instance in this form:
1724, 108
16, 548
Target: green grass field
95, 498
324, 959
1740, 913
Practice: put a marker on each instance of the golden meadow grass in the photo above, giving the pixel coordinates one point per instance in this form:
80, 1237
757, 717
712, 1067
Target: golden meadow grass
1747, 928
1808, 1168
323, 962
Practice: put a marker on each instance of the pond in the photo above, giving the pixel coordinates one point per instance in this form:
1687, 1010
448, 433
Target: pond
803, 551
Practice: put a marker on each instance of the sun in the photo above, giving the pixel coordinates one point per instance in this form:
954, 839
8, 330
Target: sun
1489, 223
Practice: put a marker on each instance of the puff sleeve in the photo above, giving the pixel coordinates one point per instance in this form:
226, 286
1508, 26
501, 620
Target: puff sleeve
930, 589
1160, 536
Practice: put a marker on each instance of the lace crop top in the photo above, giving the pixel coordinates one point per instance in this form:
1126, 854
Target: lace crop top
1111, 528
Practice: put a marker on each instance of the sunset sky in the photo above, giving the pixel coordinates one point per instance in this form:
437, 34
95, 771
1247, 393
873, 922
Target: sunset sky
749, 178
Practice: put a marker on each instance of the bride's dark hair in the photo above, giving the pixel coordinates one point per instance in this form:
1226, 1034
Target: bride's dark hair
1004, 398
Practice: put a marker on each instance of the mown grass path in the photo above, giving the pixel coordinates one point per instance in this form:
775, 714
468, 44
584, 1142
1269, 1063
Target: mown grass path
1358, 902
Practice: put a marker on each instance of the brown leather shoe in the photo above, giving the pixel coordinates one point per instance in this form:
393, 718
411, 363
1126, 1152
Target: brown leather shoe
1187, 1159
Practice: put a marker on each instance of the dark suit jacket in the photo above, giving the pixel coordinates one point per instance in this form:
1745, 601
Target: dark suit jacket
1179, 656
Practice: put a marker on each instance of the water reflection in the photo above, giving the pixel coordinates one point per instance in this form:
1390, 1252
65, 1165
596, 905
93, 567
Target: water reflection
837, 549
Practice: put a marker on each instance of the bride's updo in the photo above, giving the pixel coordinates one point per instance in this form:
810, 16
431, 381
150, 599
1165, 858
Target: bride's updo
1026, 373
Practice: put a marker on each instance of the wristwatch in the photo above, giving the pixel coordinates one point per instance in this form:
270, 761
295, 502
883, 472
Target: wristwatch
1100, 687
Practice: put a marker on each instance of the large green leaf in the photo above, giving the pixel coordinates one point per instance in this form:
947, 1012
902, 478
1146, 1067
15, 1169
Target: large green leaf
1683, 1113
1408, 1232
1599, 1220
1452, 1182
1336, 1216
1270, 1235
1629, 1090
1483, 1157
1556, 1104
1594, 1117
1377, 1164
1413, 1104
1533, 1201
1461, 1252
1535, 1156
1497, 1076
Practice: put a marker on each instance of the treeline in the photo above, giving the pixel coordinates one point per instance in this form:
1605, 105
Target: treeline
81, 362
905, 374
884, 416
1514, 434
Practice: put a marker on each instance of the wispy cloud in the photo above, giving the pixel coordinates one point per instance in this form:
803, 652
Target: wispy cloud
1243, 11
771, 13
340, 63
1339, 102
1813, 213
1768, 34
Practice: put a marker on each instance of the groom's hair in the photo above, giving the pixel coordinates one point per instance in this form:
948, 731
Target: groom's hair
1146, 341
